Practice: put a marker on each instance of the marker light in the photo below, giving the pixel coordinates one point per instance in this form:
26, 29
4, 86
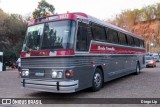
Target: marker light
69, 73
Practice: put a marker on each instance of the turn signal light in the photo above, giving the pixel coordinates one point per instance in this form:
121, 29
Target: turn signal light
69, 73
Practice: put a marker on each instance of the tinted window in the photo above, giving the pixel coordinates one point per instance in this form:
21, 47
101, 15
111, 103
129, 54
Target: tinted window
33, 37
51, 35
137, 42
98, 32
112, 36
122, 38
83, 37
141, 43
58, 35
130, 40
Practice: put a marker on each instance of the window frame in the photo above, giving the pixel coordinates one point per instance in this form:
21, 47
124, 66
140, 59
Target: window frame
104, 39
88, 37
112, 33
124, 38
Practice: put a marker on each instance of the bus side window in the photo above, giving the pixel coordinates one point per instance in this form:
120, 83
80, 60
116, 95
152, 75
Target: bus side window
142, 44
130, 40
122, 38
98, 32
109, 36
83, 37
137, 42
112, 36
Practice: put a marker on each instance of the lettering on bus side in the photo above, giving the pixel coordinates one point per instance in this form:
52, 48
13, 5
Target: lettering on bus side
106, 48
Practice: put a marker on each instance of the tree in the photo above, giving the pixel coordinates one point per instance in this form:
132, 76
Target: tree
43, 9
12, 31
144, 22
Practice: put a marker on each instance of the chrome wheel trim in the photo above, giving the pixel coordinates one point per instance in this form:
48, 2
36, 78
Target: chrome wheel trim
138, 69
97, 79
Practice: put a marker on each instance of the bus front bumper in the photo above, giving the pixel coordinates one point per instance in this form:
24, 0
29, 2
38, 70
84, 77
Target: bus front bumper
50, 85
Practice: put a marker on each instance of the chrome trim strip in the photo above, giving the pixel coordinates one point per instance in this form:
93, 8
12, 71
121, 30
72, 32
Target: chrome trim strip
52, 67
51, 85
95, 54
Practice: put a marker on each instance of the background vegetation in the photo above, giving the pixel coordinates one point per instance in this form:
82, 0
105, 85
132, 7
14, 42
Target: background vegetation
13, 29
144, 22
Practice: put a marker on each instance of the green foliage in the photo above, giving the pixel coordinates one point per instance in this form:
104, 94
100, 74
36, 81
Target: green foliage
144, 22
43, 9
12, 32
131, 17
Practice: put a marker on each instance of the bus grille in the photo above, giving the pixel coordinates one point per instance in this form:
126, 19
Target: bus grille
49, 62
46, 62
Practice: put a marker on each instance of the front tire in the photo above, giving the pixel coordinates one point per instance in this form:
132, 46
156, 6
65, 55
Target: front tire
97, 80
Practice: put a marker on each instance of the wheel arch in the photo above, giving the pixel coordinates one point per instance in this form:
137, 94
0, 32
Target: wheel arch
138, 62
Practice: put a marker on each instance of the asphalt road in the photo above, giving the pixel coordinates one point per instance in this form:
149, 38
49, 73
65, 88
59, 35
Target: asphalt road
145, 85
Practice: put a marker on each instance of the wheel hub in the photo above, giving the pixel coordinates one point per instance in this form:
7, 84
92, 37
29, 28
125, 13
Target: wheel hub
97, 79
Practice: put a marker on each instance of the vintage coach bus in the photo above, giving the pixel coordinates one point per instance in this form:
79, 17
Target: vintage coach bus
65, 53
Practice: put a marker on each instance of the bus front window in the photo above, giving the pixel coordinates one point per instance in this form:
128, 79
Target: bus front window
50, 35
58, 35
33, 37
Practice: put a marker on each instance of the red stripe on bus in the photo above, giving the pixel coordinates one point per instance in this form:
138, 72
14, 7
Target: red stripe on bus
65, 52
23, 54
40, 53
102, 49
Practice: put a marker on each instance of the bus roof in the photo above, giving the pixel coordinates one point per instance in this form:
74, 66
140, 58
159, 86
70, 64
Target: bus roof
109, 25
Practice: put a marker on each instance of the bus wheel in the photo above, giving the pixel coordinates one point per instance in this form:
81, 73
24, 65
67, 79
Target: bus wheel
137, 69
97, 81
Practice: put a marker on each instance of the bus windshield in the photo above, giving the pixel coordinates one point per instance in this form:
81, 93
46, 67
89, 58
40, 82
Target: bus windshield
50, 35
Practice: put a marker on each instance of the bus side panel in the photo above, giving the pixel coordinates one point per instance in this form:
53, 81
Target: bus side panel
120, 65
83, 75
142, 61
83, 72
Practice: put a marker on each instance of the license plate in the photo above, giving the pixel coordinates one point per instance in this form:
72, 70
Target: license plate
39, 73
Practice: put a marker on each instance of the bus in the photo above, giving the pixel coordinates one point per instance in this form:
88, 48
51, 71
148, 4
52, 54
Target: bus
1, 61
65, 53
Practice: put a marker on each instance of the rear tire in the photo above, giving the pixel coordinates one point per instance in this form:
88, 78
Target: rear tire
137, 69
97, 80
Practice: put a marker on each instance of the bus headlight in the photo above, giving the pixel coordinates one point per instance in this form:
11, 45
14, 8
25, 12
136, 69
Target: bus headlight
57, 74
54, 74
25, 73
